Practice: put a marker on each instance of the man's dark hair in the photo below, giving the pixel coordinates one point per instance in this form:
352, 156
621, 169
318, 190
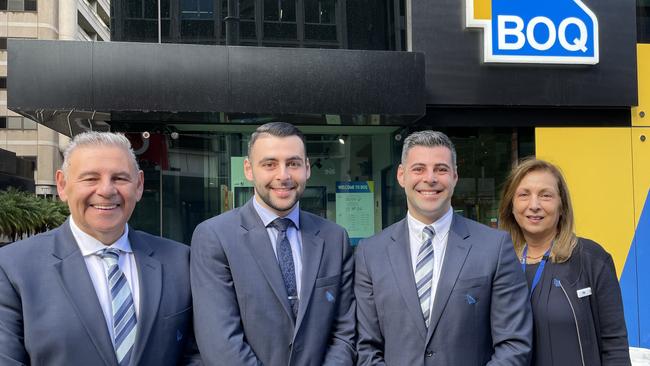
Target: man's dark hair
277, 129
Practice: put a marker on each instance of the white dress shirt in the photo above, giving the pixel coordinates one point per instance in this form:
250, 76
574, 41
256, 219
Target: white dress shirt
439, 242
90, 247
293, 234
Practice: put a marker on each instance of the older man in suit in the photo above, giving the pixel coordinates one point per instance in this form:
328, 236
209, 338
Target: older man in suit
436, 288
94, 291
272, 284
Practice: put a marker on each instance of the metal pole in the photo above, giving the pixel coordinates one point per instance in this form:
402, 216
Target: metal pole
232, 23
159, 24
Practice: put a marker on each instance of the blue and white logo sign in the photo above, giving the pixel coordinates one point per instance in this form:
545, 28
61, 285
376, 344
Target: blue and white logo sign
535, 31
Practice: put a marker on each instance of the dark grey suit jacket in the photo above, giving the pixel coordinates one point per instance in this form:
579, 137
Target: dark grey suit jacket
481, 314
50, 314
240, 301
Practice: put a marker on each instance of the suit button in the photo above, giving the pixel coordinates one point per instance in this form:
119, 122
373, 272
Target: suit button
429, 354
290, 345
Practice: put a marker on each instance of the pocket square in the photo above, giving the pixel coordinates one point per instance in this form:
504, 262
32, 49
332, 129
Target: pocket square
329, 296
470, 299
179, 335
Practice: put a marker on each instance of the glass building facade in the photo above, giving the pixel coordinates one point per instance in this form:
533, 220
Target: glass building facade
367, 24
195, 172
194, 166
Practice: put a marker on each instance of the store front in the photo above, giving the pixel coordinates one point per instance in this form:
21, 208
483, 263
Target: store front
199, 102
191, 176
357, 77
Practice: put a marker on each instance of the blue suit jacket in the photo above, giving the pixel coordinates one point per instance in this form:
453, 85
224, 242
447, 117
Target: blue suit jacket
50, 314
241, 309
481, 313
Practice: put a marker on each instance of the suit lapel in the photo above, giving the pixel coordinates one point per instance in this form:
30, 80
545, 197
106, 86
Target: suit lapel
150, 278
399, 256
257, 240
455, 255
78, 287
312, 251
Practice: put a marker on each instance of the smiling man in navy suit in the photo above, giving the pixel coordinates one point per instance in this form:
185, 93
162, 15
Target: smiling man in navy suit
436, 288
94, 291
272, 284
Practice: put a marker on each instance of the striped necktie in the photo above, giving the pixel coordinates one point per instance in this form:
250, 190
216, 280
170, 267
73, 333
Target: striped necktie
124, 322
424, 273
285, 260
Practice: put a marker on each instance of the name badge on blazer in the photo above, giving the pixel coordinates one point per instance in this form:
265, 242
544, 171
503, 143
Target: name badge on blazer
584, 292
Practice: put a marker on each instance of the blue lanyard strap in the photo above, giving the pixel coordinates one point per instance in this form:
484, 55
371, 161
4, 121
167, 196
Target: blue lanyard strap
540, 269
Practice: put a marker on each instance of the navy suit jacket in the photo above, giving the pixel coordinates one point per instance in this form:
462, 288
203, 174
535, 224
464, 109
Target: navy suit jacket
241, 309
50, 314
481, 313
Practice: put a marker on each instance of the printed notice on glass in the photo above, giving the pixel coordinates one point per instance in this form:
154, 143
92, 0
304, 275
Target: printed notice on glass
355, 209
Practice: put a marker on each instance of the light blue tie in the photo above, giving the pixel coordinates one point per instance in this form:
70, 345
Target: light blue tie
424, 273
124, 322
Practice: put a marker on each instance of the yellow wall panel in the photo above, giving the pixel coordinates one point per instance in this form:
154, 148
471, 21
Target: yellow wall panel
597, 164
643, 71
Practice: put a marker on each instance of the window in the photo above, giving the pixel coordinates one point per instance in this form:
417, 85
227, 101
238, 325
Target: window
3, 122
320, 20
280, 19
20, 123
28, 124
3, 82
319, 11
198, 21
197, 9
280, 10
15, 123
18, 5
247, 29
15, 5
3, 43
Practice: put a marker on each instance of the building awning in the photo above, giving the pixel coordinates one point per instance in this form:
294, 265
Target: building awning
74, 86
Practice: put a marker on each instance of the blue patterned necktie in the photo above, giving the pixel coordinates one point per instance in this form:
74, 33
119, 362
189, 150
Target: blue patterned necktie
424, 273
123, 308
285, 259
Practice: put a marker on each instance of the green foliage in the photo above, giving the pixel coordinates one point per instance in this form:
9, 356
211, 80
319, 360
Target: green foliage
25, 214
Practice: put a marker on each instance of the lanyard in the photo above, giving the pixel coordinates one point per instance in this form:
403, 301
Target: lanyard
540, 269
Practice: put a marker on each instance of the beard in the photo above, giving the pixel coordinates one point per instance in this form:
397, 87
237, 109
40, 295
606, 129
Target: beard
279, 205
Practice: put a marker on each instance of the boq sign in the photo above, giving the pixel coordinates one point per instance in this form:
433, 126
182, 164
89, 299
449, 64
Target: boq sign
535, 31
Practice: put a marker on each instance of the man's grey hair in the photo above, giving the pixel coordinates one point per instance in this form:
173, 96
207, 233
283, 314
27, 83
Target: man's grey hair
93, 139
428, 138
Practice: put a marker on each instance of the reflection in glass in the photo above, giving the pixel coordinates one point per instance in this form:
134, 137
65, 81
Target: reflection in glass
197, 9
151, 9
271, 10
280, 10
372, 24
134, 8
319, 11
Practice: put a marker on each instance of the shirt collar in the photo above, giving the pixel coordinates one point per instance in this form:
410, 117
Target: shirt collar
268, 216
441, 226
90, 246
